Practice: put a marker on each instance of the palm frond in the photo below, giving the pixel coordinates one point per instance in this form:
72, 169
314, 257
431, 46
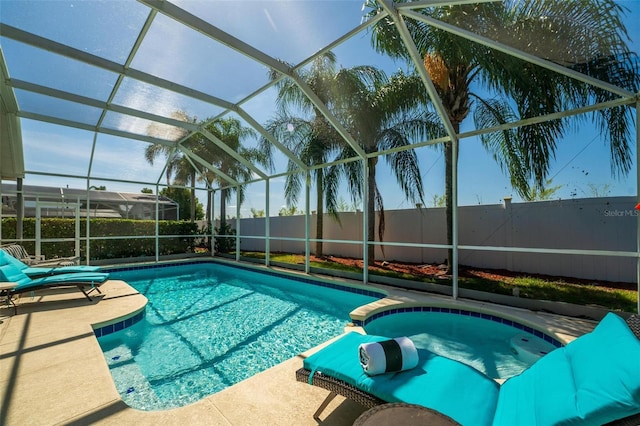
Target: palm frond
293, 184
331, 189
404, 166
353, 172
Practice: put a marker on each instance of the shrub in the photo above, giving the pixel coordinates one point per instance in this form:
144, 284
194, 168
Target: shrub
111, 248
225, 244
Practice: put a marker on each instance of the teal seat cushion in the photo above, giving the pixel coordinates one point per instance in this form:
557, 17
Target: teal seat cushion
6, 258
445, 385
69, 279
38, 271
540, 395
593, 380
340, 358
606, 371
9, 273
35, 271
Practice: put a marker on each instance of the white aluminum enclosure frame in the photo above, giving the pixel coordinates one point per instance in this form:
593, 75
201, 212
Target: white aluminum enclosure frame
398, 12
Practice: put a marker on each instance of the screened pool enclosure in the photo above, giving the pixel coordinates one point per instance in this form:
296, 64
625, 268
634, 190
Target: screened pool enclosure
438, 132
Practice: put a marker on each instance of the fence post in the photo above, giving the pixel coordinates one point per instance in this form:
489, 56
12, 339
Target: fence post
508, 238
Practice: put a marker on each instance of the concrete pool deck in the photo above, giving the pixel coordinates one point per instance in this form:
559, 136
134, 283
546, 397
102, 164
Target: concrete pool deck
52, 370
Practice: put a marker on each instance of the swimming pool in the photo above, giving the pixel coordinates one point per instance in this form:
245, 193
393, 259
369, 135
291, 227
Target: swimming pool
495, 346
208, 326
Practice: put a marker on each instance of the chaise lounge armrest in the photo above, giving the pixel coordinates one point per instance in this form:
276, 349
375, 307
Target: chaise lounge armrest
19, 252
56, 261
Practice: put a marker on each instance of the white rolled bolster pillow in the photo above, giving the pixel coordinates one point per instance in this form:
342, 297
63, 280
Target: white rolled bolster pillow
392, 355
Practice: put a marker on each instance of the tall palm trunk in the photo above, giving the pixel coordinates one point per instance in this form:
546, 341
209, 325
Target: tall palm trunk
448, 183
223, 208
209, 222
193, 196
207, 215
320, 212
452, 84
371, 209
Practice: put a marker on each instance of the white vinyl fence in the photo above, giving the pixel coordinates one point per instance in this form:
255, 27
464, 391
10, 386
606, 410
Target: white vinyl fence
594, 224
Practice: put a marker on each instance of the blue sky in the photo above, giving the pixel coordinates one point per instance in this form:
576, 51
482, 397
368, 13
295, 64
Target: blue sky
581, 166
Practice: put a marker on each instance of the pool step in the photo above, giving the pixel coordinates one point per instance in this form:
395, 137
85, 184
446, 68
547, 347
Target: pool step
130, 383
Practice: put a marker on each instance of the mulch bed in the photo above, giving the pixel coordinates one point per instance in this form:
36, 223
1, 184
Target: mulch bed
439, 271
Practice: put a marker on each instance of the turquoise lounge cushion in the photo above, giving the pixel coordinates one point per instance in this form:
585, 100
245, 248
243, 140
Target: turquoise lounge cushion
38, 271
606, 371
540, 395
593, 380
9, 273
340, 358
6, 258
445, 385
69, 279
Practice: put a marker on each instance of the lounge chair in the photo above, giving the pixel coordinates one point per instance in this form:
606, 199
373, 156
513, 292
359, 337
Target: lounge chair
19, 252
85, 282
593, 380
40, 271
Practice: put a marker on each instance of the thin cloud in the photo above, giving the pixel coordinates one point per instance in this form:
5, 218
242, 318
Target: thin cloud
270, 19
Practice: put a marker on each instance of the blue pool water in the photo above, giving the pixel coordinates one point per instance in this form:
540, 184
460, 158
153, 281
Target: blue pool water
209, 326
492, 348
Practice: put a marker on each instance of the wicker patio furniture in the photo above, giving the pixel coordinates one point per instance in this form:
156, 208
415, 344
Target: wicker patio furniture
338, 386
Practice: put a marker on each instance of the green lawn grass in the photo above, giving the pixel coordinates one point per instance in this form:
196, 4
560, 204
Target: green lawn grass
530, 287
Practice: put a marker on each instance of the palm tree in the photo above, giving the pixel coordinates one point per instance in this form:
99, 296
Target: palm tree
156, 150
231, 132
585, 36
185, 174
383, 114
311, 137
177, 165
